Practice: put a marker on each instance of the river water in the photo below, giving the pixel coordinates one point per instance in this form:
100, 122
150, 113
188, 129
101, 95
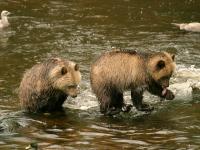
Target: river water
80, 30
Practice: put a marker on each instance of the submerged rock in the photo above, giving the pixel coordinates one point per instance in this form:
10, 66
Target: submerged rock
9, 125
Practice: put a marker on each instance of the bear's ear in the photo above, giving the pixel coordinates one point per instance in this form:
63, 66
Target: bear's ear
160, 65
63, 70
76, 67
173, 56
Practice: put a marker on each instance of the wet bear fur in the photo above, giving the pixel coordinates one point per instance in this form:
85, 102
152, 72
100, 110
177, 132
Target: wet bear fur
119, 70
46, 86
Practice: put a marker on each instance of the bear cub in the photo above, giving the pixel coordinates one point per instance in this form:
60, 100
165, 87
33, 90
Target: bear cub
46, 86
119, 70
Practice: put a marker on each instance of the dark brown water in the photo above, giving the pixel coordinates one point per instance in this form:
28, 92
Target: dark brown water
81, 30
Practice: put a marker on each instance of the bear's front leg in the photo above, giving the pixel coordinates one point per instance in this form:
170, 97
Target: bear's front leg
137, 99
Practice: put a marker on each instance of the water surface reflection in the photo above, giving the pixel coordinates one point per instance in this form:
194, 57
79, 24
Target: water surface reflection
80, 31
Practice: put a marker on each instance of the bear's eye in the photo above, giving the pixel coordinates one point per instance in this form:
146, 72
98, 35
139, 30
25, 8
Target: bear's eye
160, 65
63, 70
76, 67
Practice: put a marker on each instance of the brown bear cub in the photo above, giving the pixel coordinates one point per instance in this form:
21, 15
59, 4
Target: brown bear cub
45, 86
116, 71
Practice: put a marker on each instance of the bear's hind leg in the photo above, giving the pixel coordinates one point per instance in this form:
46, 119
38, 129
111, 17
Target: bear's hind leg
105, 100
111, 101
119, 104
105, 104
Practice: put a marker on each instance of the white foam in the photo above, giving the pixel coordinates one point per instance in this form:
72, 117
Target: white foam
182, 90
85, 100
188, 72
184, 81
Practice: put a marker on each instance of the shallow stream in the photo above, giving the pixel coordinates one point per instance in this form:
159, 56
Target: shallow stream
80, 30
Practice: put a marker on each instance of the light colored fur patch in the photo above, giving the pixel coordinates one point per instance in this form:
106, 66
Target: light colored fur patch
167, 70
62, 82
120, 70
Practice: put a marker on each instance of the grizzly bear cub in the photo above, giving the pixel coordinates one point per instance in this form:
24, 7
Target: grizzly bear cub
45, 86
116, 71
